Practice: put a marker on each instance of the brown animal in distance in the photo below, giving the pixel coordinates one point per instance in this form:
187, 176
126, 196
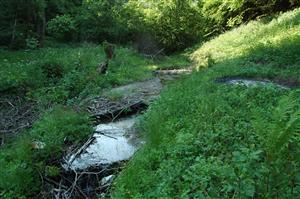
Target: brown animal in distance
109, 50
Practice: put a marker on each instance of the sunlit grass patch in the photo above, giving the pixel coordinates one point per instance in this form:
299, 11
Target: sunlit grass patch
243, 40
212, 140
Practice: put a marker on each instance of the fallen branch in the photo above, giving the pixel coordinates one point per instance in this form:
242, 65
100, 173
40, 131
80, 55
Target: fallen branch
99, 132
86, 144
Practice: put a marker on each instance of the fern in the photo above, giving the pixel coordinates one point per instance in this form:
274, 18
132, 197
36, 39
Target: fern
280, 131
279, 136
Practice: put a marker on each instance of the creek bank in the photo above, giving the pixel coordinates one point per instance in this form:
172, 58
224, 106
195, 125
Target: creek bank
169, 75
130, 99
92, 167
113, 142
253, 81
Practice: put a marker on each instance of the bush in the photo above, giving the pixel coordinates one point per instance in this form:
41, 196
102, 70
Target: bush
53, 71
31, 43
97, 22
61, 27
178, 25
174, 25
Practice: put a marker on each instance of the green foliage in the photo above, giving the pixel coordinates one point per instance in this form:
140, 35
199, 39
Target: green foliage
212, 140
174, 24
60, 75
97, 21
52, 171
61, 27
21, 20
280, 139
114, 95
31, 43
23, 161
53, 71
179, 25
224, 14
280, 36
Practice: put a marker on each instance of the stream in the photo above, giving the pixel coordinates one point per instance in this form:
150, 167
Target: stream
90, 169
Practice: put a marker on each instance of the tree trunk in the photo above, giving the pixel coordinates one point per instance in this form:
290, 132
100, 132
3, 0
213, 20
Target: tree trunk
43, 28
13, 35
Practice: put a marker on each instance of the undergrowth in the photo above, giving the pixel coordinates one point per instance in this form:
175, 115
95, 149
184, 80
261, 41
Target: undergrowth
212, 140
59, 75
27, 159
59, 79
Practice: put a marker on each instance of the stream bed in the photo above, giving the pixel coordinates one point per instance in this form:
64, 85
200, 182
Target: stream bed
112, 142
90, 169
250, 82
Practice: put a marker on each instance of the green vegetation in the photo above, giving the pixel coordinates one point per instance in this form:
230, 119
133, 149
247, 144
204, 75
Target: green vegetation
227, 14
211, 140
252, 41
204, 139
54, 77
172, 25
57, 75
38, 152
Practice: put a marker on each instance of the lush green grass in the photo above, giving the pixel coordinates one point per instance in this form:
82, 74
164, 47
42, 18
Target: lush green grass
210, 140
254, 39
39, 151
60, 74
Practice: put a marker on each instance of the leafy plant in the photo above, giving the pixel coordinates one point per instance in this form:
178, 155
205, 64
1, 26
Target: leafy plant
23, 163
32, 43
202, 141
61, 27
280, 137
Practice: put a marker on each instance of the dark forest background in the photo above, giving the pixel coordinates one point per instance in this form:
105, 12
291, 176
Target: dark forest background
169, 24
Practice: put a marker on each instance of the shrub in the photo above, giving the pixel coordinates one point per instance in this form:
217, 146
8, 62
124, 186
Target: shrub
97, 21
61, 27
31, 43
53, 71
174, 24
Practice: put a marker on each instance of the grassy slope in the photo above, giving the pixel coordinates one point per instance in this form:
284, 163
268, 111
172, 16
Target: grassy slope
208, 140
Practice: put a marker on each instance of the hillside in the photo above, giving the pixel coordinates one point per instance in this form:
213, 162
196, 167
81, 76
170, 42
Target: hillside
208, 139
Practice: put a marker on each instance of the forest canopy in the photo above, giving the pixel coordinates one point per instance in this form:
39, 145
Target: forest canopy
170, 24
